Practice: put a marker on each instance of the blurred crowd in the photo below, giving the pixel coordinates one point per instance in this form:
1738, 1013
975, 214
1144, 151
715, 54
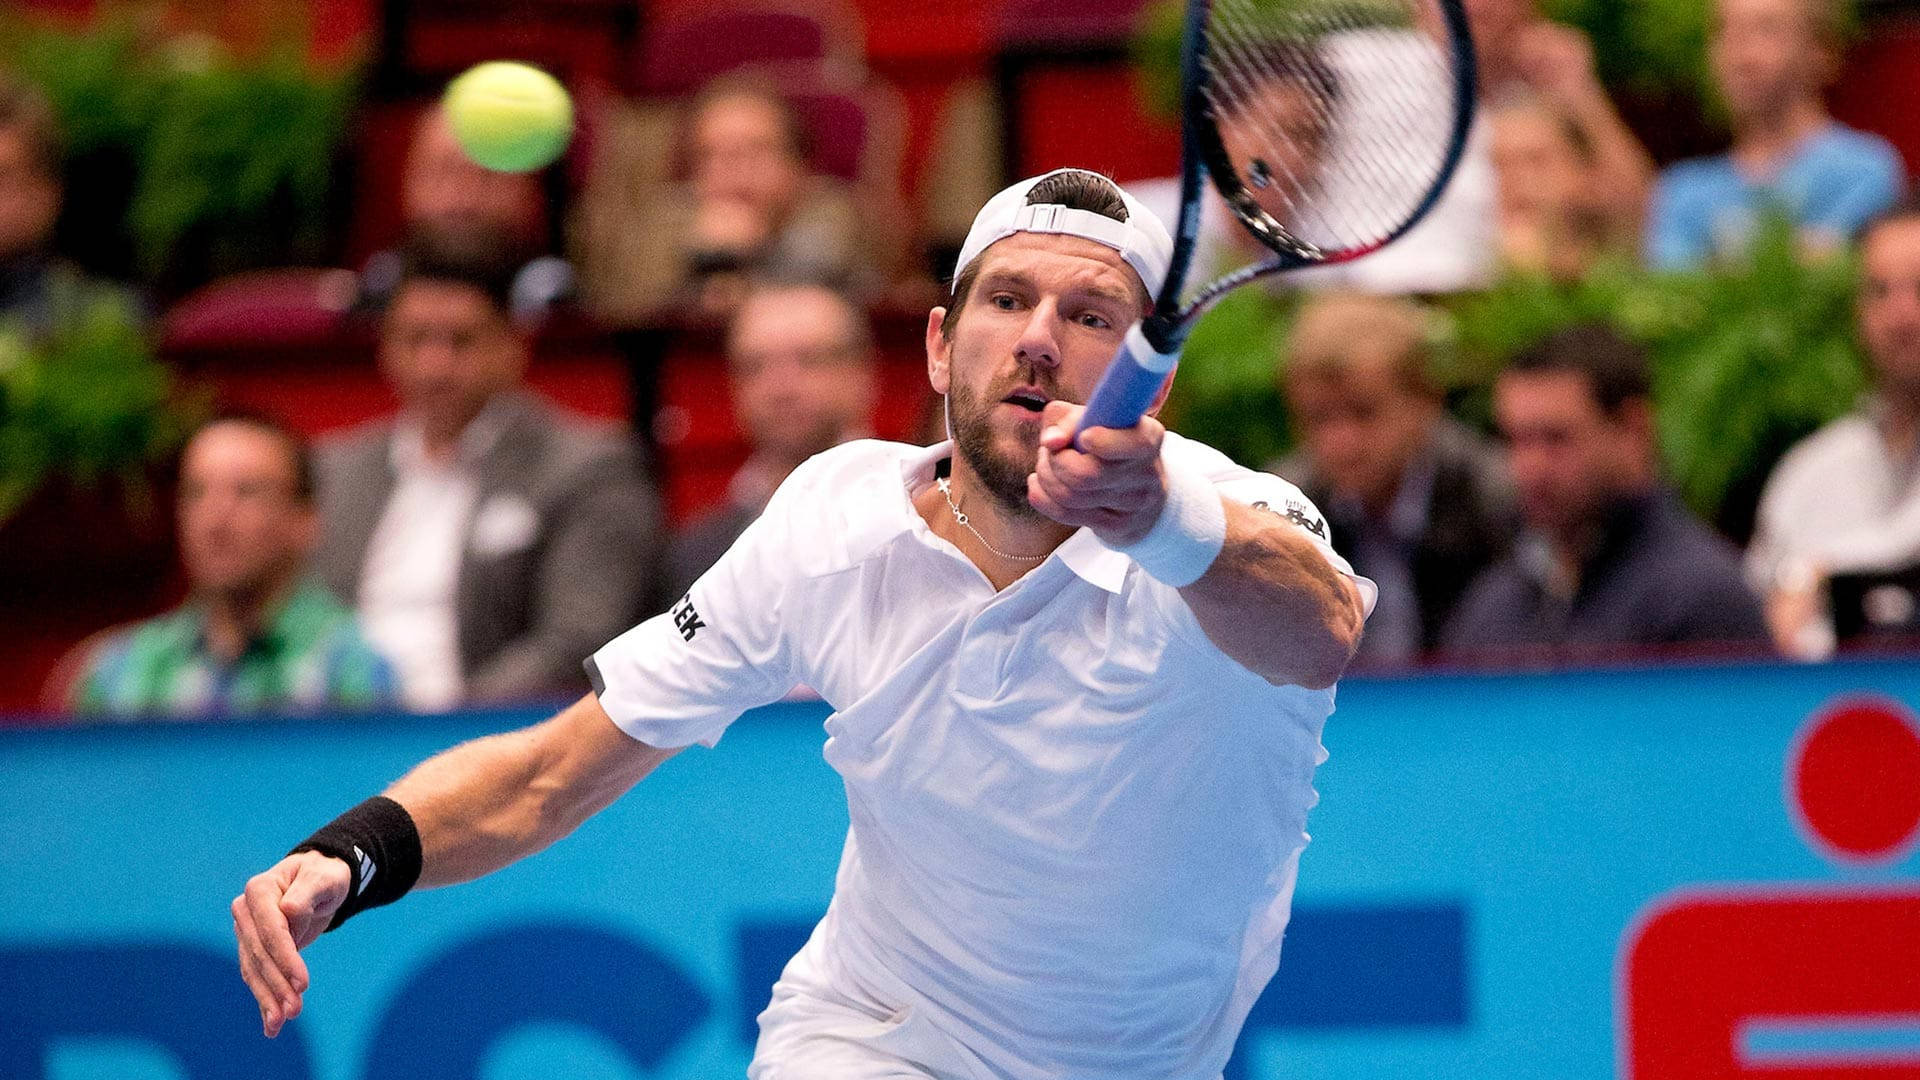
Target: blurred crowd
474, 546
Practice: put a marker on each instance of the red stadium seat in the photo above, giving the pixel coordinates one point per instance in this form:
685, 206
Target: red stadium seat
687, 49
263, 308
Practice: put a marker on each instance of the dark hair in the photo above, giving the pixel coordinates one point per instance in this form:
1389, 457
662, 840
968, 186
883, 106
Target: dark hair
25, 111
1614, 368
299, 453
1077, 189
1906, 208
483, 257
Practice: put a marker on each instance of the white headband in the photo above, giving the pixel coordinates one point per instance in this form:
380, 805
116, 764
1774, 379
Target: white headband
1141, 239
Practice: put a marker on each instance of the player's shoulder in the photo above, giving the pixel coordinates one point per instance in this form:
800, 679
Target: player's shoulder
842, 504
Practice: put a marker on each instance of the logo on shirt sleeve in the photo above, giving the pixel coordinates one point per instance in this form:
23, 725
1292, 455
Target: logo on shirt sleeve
686, 619
1298, 513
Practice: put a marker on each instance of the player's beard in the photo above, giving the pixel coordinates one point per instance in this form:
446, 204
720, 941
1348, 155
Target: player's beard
1004, 476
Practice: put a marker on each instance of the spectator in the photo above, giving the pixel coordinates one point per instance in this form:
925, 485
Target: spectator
1456, 246
1416, 501
444, 191
39, 291
1772, 60
258, 633
1556, 215
801, 369
1847, 499
490, 540
751, 205
1611, 560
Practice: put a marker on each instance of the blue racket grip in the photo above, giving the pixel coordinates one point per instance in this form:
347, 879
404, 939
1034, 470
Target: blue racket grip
1129, 386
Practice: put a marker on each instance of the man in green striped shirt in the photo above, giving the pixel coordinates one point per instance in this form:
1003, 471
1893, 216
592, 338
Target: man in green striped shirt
258, 633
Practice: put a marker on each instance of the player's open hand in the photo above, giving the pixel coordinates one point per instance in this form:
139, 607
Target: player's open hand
280, 913
1112, 482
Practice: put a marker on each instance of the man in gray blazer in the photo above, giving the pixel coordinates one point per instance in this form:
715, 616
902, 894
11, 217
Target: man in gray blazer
489, 540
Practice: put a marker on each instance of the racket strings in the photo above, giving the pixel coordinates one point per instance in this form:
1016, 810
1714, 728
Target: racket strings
1335, 116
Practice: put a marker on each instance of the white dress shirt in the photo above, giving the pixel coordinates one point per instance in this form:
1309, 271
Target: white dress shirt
1839, 502
1075, 823
409, 580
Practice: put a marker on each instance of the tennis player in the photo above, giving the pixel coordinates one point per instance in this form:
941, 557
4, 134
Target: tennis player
1078, 698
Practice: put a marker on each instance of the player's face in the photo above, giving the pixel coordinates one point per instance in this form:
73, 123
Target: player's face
1569, 458
1045, 315
1766, 55
801, 380
1361, 426
1890, 305
447, 350
242, 527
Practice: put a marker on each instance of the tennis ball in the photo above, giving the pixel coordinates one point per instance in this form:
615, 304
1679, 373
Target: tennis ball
509, 117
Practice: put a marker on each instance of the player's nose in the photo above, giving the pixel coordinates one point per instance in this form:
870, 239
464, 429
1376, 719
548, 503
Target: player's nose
1039, 346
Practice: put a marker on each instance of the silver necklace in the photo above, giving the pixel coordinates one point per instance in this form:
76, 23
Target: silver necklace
946, 488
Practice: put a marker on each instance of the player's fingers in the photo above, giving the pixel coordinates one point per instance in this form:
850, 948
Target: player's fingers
1124, 444
268, 985
1065, 489
251, 977
272, 940
1094, 482
1038, 498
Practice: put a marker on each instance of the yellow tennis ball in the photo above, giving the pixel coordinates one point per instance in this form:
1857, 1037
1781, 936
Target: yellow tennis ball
509, 117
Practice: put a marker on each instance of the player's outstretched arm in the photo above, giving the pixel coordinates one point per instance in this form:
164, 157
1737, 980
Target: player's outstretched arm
477, 807
1266, 596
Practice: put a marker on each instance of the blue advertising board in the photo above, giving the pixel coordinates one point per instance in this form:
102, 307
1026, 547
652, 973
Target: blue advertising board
1501, 867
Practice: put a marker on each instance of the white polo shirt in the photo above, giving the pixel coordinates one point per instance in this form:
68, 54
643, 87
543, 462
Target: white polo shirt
1075, 822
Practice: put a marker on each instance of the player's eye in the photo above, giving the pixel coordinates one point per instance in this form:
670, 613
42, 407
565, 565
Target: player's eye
1094, 321
1004, 301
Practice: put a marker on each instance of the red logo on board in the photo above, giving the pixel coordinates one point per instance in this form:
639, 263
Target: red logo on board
1703, 970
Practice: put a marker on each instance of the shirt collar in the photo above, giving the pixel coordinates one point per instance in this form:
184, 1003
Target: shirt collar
1083, 553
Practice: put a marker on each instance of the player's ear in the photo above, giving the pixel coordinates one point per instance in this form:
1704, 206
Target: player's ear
939, 351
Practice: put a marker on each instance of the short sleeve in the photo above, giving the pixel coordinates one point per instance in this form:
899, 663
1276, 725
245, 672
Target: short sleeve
684, 675
1860, 184
1677, 231
1265, 491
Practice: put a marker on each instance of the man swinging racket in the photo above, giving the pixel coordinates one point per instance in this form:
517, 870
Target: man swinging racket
1078, 688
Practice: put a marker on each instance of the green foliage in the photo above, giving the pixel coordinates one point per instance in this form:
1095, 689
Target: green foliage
1747, 357
225, 150
88, 403
1227, 393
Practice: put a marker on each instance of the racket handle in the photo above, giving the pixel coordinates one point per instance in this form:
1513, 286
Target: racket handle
1129, 386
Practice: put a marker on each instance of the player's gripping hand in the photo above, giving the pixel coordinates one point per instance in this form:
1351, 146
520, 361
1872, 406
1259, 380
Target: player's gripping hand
280, 913
1112, 483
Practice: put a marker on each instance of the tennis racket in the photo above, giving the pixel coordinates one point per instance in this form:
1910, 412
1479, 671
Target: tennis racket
1329, 127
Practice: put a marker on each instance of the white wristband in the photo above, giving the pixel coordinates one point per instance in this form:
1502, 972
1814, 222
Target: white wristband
1189, 534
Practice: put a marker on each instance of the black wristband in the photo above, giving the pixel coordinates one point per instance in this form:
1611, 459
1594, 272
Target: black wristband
380, 845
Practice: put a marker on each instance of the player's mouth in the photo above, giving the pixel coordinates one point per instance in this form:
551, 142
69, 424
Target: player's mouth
1030, 398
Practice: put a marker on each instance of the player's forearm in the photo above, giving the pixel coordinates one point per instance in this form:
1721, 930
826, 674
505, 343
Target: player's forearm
488, 803
1273, 603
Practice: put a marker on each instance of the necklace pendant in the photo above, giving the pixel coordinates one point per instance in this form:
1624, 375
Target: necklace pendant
960, 517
